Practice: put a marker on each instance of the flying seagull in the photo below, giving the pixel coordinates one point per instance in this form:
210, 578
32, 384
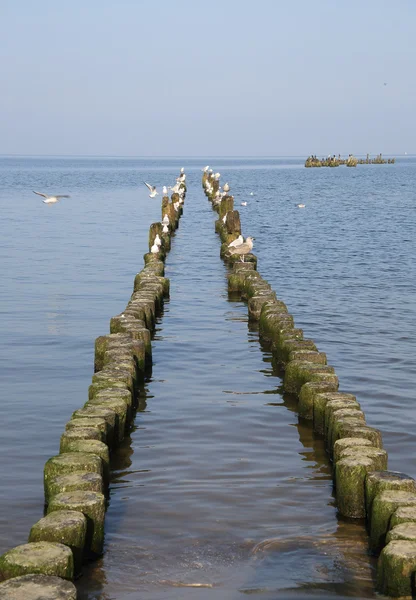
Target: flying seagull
51, 199
152, 189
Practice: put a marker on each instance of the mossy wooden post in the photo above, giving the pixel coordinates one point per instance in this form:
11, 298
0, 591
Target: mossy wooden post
92, 505
384, 505
404, 531
66, 527
97, 423
232, 223
256, 303
120, 407
380, 481
350, 474
70, 462
319, 406
396, 569
341, 445
101, 412
41, 558
353, 428
37, 587
298, 372
85, 482
94, 447
226, 205
337, 415
311, 389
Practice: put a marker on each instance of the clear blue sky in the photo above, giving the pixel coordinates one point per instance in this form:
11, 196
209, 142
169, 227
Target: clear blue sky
193, 78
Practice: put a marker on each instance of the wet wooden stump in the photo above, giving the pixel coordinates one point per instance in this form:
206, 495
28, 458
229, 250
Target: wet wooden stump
226, 205
310, 390
380, 481
37, 587
100, 412
40, 558
92, 505
73, 482
97, 423
298, 372
396, 569
319, 407
345, 443
117, 405
70, 462
66, 527
384, 505
350, 474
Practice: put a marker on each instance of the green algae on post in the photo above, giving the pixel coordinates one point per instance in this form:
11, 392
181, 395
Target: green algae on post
396, 567
92, 505
308, 394
43, 558
350, 476
87, 482
384, 505
70, 462
380, 481
66, 527
37, 587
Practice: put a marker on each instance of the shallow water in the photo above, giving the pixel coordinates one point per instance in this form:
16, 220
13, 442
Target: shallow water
219, 484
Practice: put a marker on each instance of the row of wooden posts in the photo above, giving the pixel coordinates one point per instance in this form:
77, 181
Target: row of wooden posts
76, 480
364, 488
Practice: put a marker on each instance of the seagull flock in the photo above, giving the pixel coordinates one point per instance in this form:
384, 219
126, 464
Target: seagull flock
240, 246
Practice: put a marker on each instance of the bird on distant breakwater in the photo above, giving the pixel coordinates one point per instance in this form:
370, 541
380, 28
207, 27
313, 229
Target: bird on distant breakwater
154, 249
165, 220
205, 169
224, 219
244, 204
51, 199
152, 189
301, 205
157, 240
237, 242
243, 249
182, 170
226, 187
165, 229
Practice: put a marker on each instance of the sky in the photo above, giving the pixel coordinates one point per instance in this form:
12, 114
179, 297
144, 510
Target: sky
217, 78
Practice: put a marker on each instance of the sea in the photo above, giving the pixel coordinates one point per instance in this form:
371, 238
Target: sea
219, 490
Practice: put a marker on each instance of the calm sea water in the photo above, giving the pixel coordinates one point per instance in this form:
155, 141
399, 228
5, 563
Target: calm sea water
218, 484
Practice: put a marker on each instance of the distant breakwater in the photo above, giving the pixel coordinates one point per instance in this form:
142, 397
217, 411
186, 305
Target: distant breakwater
364, 489
76, 480
350, 161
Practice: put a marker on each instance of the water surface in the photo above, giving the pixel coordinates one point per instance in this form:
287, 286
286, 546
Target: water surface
219, 484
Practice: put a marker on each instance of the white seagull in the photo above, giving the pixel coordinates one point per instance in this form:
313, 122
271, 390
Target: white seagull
152, 189
51, 199
165, 190
165, 229
300, 205
154, 249
244, 204
182, 170
243, 249
226, 187
165, 220
236, 242
157, 240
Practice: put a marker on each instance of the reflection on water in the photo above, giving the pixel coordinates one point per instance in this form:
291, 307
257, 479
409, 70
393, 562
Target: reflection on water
220, 491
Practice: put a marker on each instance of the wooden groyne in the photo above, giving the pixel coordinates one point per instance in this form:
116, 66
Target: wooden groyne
350, 161
76, 480
364, 488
